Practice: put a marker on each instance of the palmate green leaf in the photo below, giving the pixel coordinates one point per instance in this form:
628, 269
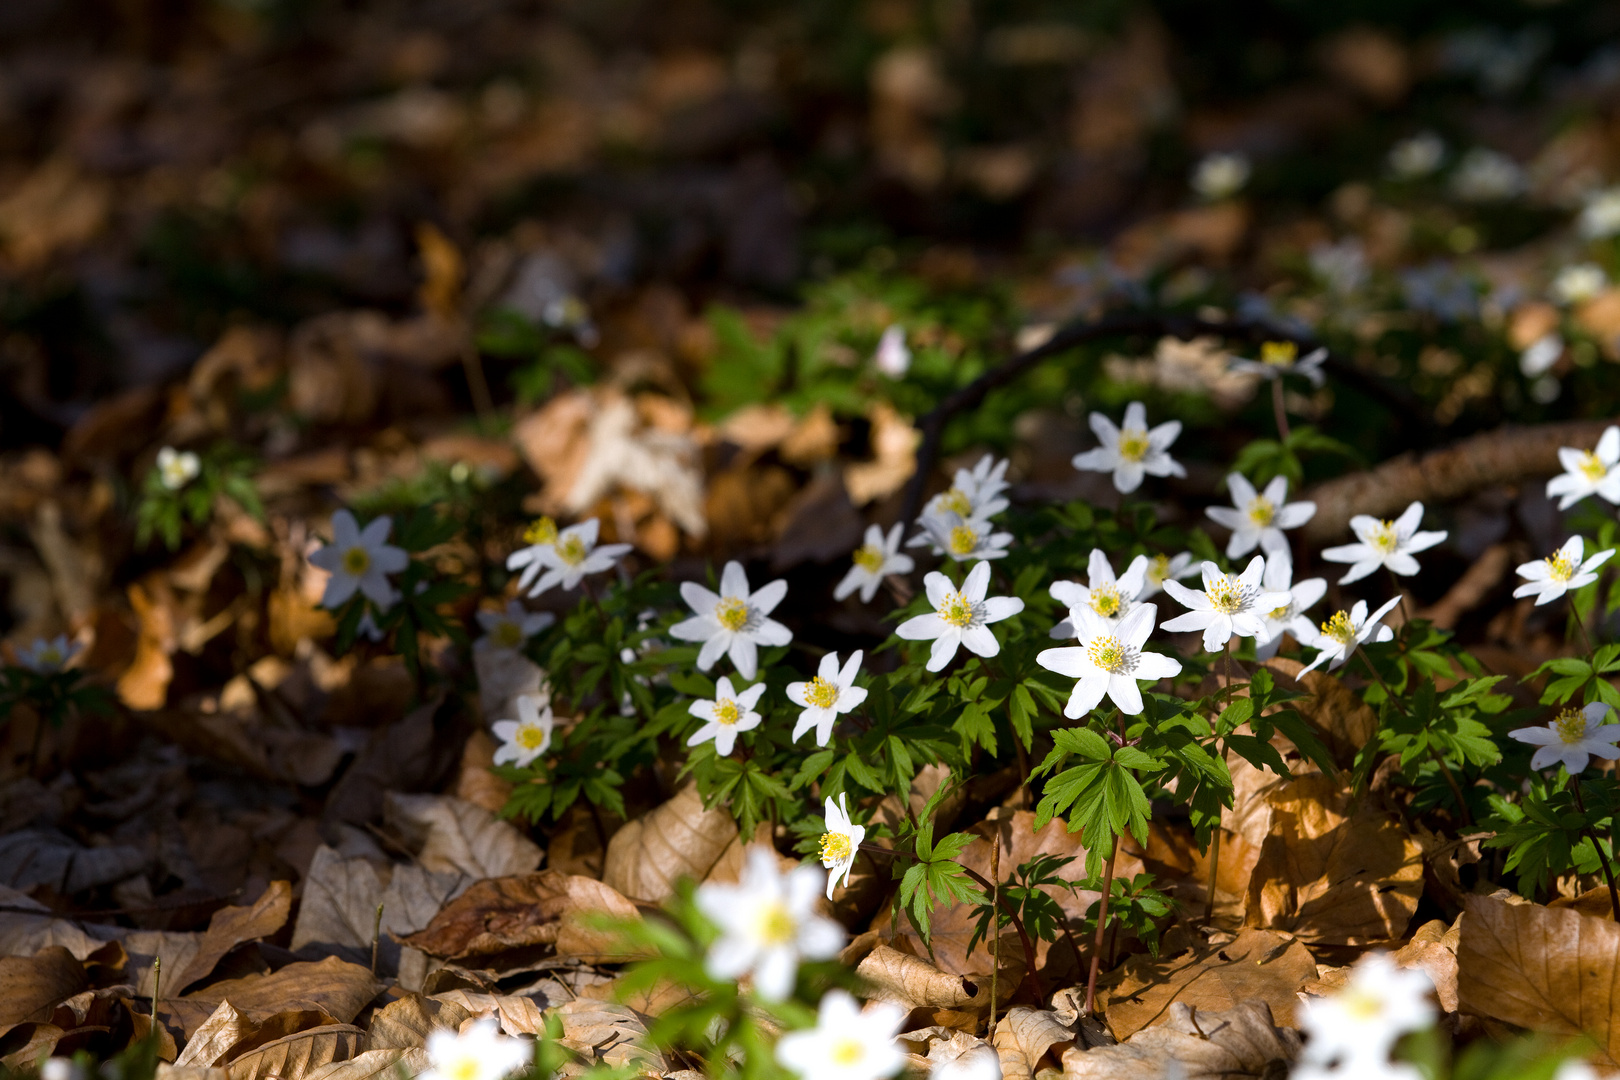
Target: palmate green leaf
1021, 714
975, 726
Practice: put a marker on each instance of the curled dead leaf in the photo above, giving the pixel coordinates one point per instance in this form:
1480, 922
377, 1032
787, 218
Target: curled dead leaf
1226, 1044
1024, 1036
678, 839
231, 926
453, 835
32, 986
1258, 966
914, 983
545, 908
296, 1056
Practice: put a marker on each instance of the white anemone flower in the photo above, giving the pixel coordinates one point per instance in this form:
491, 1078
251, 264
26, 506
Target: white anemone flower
1228, 604
1132, 451
477, 1052
1384, 543
527, 737
767, 922
960, 617
1290, 617
846, 1043
359, 560
1108, 596
962, 538
540, 536
892, 357
1109, 661
1417, 156
726, 716
1541, 355
1548, 579
574, 554
1577, 283
1600, 217
1569, 1069
177, 468
734, 622
44, 657
1485, 175
831, 692
1342, 633
973, 494
840, 843
875, 560
1221, 175
1588, 472
1573, 738
1162, 568
511, 629
977, 1062
1279, 358
1257, 519
1358, 1026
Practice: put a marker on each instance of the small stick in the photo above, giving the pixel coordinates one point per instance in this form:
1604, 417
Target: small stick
1608, 871
376, 936
1277, 408
157, 982
995, 937
1214, 872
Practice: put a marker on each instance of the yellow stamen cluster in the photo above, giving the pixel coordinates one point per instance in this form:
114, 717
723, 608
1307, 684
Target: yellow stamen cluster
847, 1053
507, 634
821, 693
1107, 653
963, 540
1360, 1004
1106, 601
956, 501
869, 558
726, 712
464, 1067
1225, 596
543, 531
571, 550
731, 613
51, 656
1279, 614
1278, 353
1340, 628
1592, 466
776, 924
1570, 725
1560, 567
1262, 510
1384, 537
531, 737
1159, 569
356, 561
956, 610
1133, 444
834, 847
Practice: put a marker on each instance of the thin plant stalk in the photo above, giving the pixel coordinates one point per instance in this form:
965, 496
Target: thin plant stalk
1102, 927
995, 939
1277, 409
1608, 871
376, 936
1580, 624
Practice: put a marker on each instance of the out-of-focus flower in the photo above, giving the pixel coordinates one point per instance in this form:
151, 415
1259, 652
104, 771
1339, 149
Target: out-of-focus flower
177, 468
512, 628
1542, 354
1163, 568
892, 357
1487, 176
359, 561
1588, 472
1279, 358
1418, 156
1133, 451
480, 1052
1221, 175
572, 555
846, 1043
767, 922
1440, 290
44, 657
875, 560
1357, 1027
527, 737
1257, 519
1578, 283
1342, 267
962, 538
1600, 217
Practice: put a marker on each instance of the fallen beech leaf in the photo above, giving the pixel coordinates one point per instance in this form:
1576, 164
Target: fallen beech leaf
1258, 966
894, 457
474, 781
32, 986
41, 1044
407, 1022
914, 983
1547, 969
386, 1064
1333, 877
331, 986
454, 835
504, 675
1024, 1036
339, 907
1344, 722
947, 1048
517, 1015
166, 1071
1223, 1045
33, 857
209, 1044
678, 839
231, 926
24, 933
602, 1031
513, 912
295, 1056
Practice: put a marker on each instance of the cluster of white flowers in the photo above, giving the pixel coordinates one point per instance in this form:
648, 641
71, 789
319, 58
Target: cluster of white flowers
177, 468
562, 557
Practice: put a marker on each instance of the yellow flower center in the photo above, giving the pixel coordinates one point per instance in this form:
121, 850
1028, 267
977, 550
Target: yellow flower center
464, 1067
1360, 1004
1340, 628
726, 712
956, 610
1105, 601
963, 540
834, 847
821, 693
1560, 567
1225, 596
543, 531
1278, 353
956, 501
1133, 444
507, 634
571, 550
1592, 467
731, 613
1571, 725
1384, 537
51, 656
776, 924
531, 736
1261, 510
356, 561
869, 558
1159, 569
1107, 653
1279, 614
846, 1052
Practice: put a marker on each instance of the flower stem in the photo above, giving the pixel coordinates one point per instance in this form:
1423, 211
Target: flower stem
1608, 871
995, 939
1580, 624
1102, 926
1214, 872
1277, 409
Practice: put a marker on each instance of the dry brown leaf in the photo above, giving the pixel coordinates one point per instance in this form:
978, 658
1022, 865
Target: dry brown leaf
24, 933
456, 836
339, 906
894, 457
1024, 1036
231, 926
601, 1031
41, 1044
678, 839
330, 986
1540, 968
212, 1041
386, 1064
475, 782
1258, 965
1333, 872
166, 1071
513, 912
1343, 721
293, 1057
1219, 1045
517, 1015
914, 983
32, 986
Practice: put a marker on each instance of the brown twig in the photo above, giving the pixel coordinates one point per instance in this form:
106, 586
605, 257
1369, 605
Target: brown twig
995, 939
1608, 871
1102, 924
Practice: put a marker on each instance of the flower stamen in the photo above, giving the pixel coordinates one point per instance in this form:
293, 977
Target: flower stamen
1226, 596
1560, 567
1106, 601
732, 614
356, 561
1592, 466
869, 558
571, 550
542, 531
1133, 444
956, 501
727, 713
1278, 353
963, 540
1570, 725
834, 848
1340, 628
957, 611
1262, 510
1384, 537
1108, 653
821, 693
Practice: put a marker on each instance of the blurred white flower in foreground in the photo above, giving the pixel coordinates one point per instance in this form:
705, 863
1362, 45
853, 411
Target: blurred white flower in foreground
527, 737
1578, 283
724, 717
1289, 617
1133, 451
1279, 358
1109, 661
1345, 630
1541, 354
177, 468
839, 844
1548, 579
1257, 519
875, 560
962, 538
831, 692
1600, 218
974, 493
359, 561
892, 357
767, 922
1220, 175
1163, 568
512, 628
734, 622
1384, 543
1573, 738
980, 1062
1588, 472
1417, 156
1228, 604
1357, 1027
480, 1052
846, 1043
960, 617
1110, 597
1342, 267
44, 657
